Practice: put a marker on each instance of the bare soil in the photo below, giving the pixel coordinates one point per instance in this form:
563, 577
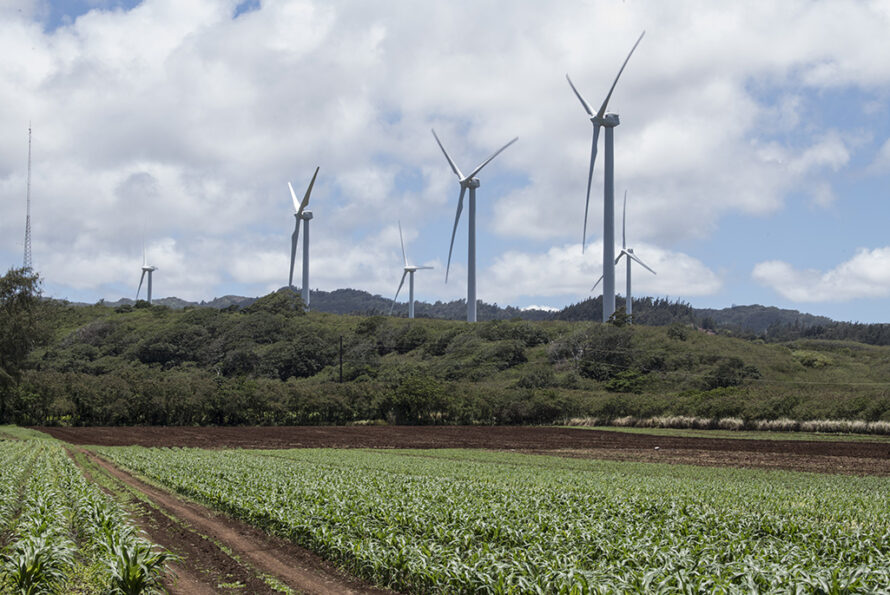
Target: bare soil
852, 458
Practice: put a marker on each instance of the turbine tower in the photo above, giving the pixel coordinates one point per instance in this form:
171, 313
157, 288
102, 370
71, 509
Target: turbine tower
301, 213
409, 269
472, 183
146, 268
27, 260
629, 255
609, 121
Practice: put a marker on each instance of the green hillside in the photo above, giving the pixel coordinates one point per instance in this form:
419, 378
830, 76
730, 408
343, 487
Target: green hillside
271, 363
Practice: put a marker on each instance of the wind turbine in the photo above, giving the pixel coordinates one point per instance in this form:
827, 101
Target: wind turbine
472, 183
609, 121
408, 270
146, 268
629, 255
304, 215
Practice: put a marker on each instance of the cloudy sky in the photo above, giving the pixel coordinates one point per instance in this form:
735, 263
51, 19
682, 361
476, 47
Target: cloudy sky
754, 146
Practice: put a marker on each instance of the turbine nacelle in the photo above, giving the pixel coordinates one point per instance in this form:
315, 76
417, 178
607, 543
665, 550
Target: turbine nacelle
610, 120
469, 183
306, 215
149, 269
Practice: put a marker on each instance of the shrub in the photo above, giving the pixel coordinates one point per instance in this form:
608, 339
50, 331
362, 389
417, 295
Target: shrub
626, 381
811, 359
678, 332
540, 377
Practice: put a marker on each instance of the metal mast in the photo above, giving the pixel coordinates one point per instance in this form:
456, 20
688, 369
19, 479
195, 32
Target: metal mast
27, 261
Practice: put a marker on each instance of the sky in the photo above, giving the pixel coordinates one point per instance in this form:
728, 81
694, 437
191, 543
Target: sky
754, 146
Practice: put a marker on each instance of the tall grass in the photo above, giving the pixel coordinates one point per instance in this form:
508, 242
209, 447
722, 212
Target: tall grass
827, 426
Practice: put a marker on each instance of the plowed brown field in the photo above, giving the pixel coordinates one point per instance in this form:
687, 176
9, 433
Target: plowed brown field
861, 458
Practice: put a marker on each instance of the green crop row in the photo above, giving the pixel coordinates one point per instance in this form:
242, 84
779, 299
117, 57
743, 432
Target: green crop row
61, 534
475, 522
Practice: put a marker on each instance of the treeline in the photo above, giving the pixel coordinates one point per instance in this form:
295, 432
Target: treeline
753, 321
871, 334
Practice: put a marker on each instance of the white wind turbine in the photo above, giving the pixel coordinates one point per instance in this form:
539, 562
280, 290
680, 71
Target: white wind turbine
472, 183
408, 270
304, 215
146, 268
629, 255
609, 121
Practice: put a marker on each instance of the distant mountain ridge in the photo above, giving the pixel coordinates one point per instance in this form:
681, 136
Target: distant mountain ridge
754, 318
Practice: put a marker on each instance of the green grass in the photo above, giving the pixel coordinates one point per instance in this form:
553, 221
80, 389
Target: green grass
18, 433
471, 521
742, 434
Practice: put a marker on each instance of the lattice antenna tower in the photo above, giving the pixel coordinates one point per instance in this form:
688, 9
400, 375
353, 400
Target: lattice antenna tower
27, 262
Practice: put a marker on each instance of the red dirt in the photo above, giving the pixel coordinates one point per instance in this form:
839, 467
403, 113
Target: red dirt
859, 458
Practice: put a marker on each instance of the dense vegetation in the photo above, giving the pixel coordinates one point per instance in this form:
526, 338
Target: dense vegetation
59, 533
271, 363
480, 522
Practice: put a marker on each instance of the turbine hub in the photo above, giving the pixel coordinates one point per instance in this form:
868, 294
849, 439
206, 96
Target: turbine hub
472, 183
610, 120
307, 215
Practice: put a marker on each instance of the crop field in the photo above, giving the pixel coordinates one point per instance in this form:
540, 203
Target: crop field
478, 521
61, 534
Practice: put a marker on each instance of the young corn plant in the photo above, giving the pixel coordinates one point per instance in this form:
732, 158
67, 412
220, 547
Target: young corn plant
136, 568
37, 564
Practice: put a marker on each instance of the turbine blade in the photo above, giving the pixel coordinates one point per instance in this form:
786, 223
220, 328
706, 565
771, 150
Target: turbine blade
581, 99
624, 224
138, 289
486, 162
293, 196
405, 274
602, 111
293, 253
597, 282
620, 254
401, 239
641, 263
454, 167
460, 206
305, 202
596, 136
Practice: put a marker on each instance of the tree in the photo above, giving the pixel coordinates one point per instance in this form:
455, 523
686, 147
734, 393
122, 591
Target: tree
20, 328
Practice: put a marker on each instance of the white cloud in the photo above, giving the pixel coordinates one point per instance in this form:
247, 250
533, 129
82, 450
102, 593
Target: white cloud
866, 275
565, 271
179, 122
